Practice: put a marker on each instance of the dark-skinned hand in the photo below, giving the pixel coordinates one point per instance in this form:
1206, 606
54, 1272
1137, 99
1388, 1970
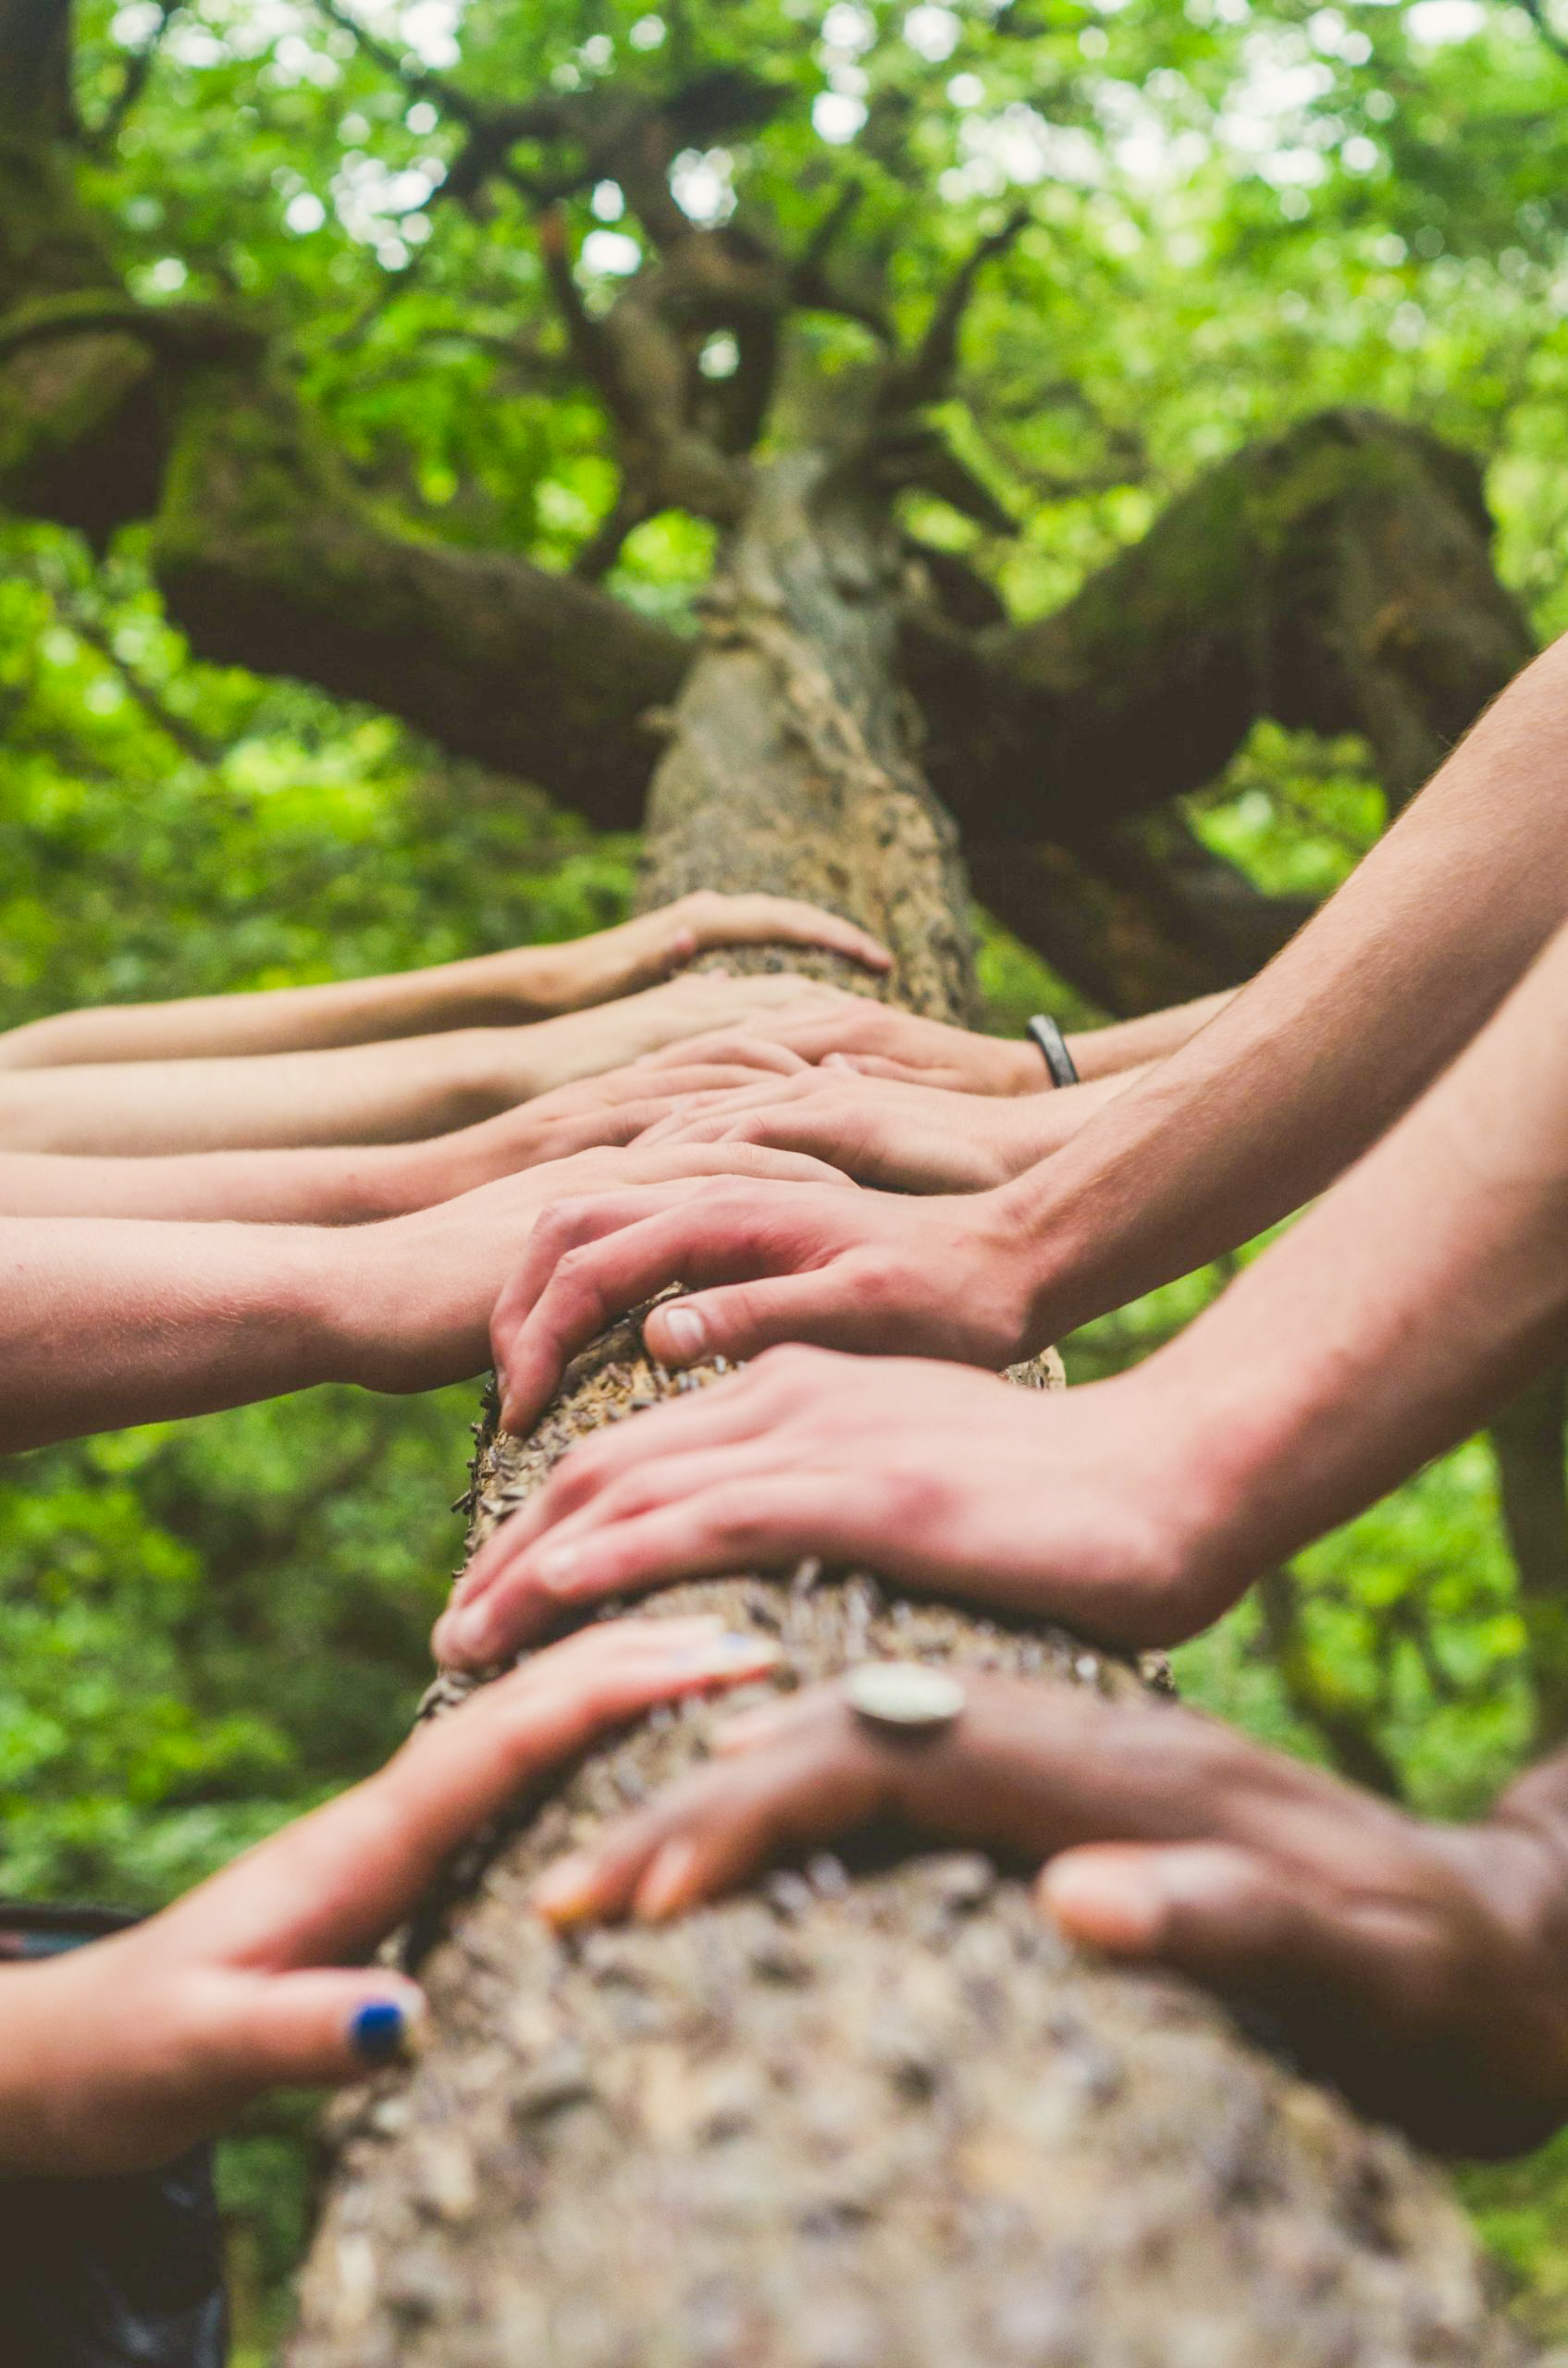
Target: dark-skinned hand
1424, 1968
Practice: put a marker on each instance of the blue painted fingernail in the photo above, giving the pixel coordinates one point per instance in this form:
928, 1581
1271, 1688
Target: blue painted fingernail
378, 2030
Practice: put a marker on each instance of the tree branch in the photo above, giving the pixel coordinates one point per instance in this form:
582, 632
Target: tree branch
1327, 1708
927, 373
1536, 11
137, 71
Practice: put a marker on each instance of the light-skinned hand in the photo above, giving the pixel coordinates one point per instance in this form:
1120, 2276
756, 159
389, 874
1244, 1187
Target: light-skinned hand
121, 2055
639, 952
875, 1272
1081, 1505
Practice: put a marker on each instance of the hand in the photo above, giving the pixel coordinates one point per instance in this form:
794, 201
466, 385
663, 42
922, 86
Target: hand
591, 1114
123, 2053
879, 1040
616, 961
870, 1271
522, 1062
406, 1304
1421, 1966
903, 1138
1082, 1507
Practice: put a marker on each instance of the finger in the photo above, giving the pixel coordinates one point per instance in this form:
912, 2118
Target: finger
329, 1886
1242, 1920
881, 1065
760, 921
727, 1049
718, 1825
821, 1307
701, 1515
561, 1228
742, 1156
592, 1271
310, 2030
736, 1407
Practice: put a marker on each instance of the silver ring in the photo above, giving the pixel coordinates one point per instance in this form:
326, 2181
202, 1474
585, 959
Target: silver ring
906, 1696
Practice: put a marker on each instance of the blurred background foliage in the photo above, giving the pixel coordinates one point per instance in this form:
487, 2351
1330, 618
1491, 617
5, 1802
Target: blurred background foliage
1241, 210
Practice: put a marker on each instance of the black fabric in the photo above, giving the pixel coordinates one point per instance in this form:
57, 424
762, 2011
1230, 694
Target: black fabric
107, 2273
114, 2273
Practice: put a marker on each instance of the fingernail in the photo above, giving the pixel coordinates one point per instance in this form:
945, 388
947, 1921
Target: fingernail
462, 1635
662, 1888
732, 1651
555, 1565
683, 1329
1109, 1904
383, 2031
565, 1892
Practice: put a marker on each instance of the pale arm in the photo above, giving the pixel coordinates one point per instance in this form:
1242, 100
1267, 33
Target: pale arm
1311, 1062
1133, 1043
111, 1321
1427, 1288
371, 1093
490, 989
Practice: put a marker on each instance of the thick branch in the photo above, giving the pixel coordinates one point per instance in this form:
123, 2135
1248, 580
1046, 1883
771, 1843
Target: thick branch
269, 559
1339, 579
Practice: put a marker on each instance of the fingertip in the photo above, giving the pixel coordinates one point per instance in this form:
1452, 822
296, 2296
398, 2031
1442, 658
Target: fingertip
1108, 1899
391, 2028
668, 1884
567, 1893
676, 1335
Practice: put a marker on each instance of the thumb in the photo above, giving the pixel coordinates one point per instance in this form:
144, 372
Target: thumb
1220, 1912
743, 1319
315, 2028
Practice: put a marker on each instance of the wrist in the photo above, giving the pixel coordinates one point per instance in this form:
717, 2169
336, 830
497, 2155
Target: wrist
1015, 1067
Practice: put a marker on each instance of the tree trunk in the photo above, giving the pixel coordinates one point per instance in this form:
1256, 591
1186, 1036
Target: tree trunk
879, 2120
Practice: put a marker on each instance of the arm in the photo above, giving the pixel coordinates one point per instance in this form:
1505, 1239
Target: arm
1427, 1288
1309, 1064
1264, 1106
111, 1321
1134, 1044
121, 2055
355, 1184
1420, 1967
371, 1093
492, 990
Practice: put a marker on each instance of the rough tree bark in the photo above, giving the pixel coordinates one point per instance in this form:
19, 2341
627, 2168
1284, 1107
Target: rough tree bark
868, 2120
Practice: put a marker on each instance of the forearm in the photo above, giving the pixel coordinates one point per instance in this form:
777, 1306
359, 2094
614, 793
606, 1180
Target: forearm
490, 989
1033, 1127
1428, 1287
110, 1321
1319, 1055
420, 1086
351, 1186
1134, 1044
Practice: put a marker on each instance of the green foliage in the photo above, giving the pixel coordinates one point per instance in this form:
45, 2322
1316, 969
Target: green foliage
1241, 210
